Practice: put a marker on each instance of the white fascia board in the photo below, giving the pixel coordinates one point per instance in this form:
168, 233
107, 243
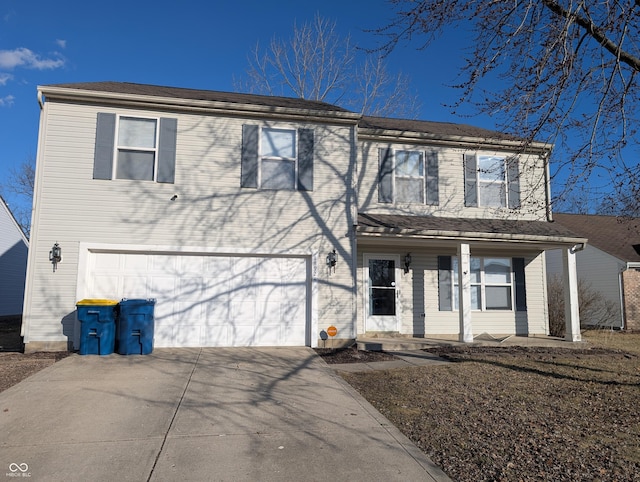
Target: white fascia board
381, 135
194, 105
548, 241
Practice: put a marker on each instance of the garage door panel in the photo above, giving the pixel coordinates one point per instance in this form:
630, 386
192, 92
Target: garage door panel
211, 300
135, 286
187, 335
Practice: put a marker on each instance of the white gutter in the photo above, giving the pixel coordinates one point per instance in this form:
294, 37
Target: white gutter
195, 105
577, 244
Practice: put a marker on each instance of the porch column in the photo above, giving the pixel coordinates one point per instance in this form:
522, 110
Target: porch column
571, 310
464, 293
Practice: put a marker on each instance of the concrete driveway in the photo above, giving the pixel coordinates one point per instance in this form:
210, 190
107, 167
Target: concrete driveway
199, 414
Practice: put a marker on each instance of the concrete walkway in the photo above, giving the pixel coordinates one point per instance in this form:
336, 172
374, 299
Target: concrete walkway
200, 414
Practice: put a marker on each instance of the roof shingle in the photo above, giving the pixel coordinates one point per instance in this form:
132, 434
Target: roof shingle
614, 235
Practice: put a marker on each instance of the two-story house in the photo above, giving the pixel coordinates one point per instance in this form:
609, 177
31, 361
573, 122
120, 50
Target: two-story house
263, 221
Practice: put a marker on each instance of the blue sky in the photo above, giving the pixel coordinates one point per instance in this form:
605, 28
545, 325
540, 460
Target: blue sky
194, 44
201, 45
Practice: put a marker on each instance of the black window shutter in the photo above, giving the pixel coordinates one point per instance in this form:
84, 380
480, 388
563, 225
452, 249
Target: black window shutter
105, 139
167, 150
513, 182
470, 180
305, 160
444, 283
521, 289
249, 160
385, 176
432, 179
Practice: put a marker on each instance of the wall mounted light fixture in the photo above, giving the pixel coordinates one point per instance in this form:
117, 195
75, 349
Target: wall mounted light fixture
407, 262
332, 260
55, 255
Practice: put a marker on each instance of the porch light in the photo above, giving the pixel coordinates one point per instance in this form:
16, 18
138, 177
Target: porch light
332, 260
407, 262
55, 255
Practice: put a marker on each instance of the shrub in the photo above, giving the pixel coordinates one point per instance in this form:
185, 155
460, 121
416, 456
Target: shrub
595, 309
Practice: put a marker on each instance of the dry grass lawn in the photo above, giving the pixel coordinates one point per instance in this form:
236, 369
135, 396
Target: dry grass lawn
528, 414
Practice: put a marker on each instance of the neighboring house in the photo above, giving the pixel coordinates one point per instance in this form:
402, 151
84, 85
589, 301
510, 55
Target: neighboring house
230, 209
610, 264
14, 247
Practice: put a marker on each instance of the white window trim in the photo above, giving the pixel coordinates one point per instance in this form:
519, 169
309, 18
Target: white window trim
483, 284
262, 157
423, 177
504, 183
117, 147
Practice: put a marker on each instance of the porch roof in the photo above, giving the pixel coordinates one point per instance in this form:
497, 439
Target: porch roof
463, 229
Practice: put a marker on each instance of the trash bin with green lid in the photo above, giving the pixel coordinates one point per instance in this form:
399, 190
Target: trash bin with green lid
97, 319
136, 326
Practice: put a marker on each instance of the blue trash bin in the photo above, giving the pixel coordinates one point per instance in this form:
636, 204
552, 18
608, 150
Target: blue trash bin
97, 326
136, 327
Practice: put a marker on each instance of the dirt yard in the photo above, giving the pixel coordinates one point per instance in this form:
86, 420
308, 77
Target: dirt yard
505, 414
493, 414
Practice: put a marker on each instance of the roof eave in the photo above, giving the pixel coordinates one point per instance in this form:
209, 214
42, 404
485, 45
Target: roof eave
450, 140
469, 236
193, 105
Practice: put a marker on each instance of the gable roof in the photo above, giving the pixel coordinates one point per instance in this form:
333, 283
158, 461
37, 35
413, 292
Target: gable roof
376, 127
434, 128
129, 88
10, 230
614, 235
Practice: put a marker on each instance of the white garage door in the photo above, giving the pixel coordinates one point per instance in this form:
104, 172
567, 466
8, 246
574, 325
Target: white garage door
210, 300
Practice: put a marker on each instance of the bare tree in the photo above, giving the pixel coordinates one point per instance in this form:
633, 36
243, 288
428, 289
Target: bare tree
317, 63
559, 71
20, 183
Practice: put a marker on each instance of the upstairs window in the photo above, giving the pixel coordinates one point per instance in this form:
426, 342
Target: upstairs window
491, 181
135, 148
407, 176
277, 158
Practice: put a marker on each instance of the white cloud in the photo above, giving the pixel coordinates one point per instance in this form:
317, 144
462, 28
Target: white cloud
6, 101
4, 78
61, 43
23, 57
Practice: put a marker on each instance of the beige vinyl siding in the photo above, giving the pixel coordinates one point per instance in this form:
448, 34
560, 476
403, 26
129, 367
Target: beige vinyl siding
598, 270
211, 210
451, 185
419, 295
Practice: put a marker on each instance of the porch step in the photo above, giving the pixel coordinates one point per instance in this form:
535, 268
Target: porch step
398, 343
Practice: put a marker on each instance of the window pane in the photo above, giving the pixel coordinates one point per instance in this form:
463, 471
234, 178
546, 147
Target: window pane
497, 270
498, 297
278, 174
409, 190
491, 168
135, 165
409, 163
476, 265
382, 272
278, 143
382, 301
137, 132
476, 298
492, 194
